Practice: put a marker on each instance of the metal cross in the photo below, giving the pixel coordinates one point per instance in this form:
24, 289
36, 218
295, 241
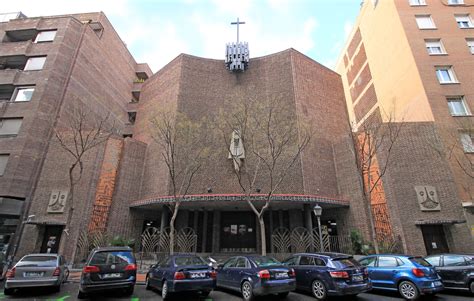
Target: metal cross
237, 23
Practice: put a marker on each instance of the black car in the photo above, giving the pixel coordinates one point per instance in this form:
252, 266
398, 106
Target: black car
455, 270
329, 274
109, 268
181, 273
256, 275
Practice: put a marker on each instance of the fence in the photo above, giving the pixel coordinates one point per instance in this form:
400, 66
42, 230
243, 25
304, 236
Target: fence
301, 240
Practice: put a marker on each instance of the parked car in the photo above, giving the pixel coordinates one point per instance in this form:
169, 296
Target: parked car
181, 273
256, 275
35, 270
329, 274
109, 268
412, 276
455, 270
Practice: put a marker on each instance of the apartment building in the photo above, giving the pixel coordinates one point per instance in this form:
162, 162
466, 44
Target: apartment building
411, 62
50, 67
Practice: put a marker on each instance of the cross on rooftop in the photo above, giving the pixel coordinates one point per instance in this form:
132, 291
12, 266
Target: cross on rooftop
237, 23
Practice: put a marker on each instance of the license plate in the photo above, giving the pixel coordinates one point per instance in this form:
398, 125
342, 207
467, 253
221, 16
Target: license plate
33, 274
111, 275
281, 275
357, 278
197, 275
438, 283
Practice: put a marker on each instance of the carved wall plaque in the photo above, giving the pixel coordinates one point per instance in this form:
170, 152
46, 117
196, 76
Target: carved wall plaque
427, 198
57, 201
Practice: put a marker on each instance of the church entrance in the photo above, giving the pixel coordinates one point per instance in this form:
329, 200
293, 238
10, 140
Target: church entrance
238, 232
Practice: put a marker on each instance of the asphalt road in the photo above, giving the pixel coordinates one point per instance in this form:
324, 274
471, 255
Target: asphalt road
69, 292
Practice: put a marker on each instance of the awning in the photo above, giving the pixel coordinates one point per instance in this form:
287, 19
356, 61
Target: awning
233, 199
439, 222
41, 222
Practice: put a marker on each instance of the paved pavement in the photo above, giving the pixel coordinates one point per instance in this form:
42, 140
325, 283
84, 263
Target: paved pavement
69, 293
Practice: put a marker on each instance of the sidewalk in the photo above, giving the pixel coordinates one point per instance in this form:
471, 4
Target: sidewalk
75, 276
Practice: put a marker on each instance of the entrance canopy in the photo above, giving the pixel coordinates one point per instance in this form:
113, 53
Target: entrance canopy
238, 201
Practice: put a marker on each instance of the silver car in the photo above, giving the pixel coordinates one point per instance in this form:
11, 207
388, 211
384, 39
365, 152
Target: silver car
36, 270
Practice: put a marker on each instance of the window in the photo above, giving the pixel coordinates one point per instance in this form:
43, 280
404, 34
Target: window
453, 260
417, 2
434, 47
455, 2
464, 21
434, 261
230, 263
35, 63
23, 93
467, 143
291, 261
45, 36
425, 22
385, 262
10, 126
3, 163
241, 263
457, 106
470, 45
445, 74
368, 262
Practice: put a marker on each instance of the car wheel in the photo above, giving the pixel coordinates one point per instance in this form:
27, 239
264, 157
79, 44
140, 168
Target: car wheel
147, 283
471, 287
164, 291
8, 291
57, 288
247, 291
283, 295
408, 290
319, 290
205, 293
81, 295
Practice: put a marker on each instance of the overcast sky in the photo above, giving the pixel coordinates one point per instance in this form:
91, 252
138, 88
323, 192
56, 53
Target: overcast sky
156, 31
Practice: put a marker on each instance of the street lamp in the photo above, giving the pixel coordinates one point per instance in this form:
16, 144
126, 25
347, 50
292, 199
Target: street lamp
318, 211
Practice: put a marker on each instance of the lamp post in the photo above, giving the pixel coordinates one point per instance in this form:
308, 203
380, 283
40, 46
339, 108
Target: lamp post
318, 211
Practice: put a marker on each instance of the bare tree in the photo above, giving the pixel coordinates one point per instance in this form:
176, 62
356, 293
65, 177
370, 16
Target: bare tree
371, 139
264, 141
457, 149
82, 131
183, 149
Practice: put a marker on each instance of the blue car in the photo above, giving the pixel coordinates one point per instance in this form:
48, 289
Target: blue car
181, 273
411, 276
255, 276
329, 274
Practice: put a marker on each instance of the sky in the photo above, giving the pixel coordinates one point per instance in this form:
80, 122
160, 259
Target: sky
157, 31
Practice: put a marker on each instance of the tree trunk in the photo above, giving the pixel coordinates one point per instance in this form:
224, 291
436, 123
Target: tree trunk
172, 231
368, 197
263, 240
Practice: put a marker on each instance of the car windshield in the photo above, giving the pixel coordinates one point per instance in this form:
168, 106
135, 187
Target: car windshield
38, 261
264, 261
342, 263
108, 258
189, 260
420, 261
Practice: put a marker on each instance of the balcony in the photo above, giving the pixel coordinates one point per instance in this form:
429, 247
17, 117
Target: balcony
143, 71
136, 89
14, 48
20, 35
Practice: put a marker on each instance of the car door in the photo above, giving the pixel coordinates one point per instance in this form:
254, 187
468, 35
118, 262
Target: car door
386, 271
223, 273
370, 263
452, 269
160, 271
236, 272
308, 271
292, 262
